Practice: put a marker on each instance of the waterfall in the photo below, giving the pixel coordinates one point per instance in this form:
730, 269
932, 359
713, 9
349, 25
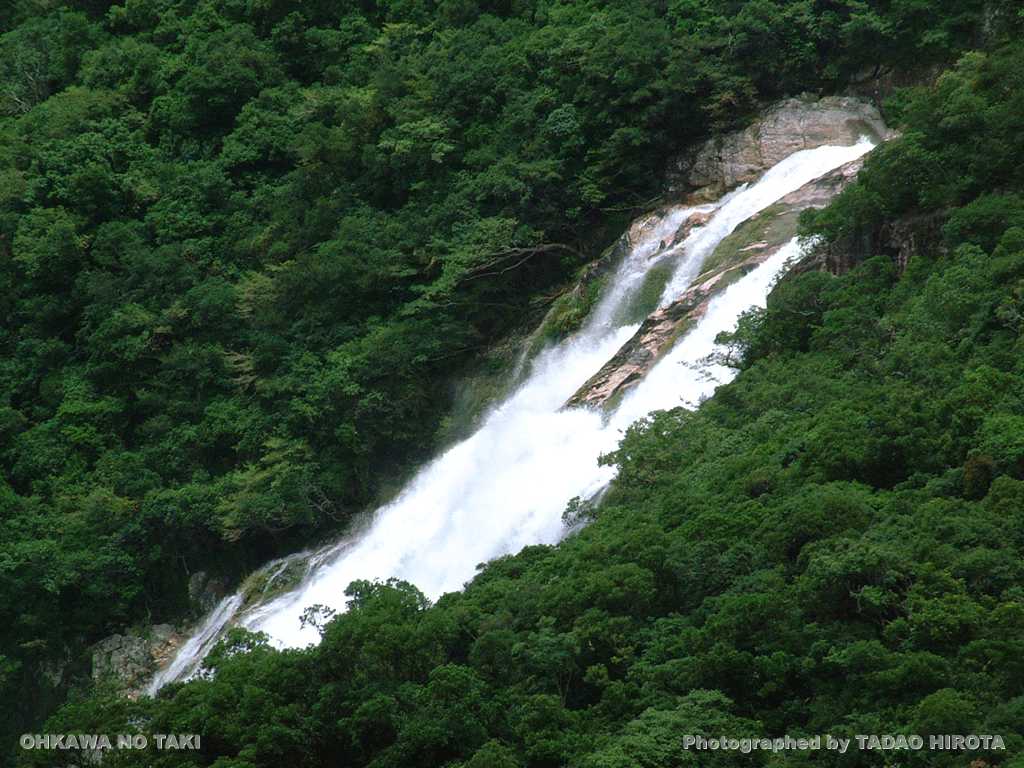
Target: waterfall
507, 485
195, 649
788, 176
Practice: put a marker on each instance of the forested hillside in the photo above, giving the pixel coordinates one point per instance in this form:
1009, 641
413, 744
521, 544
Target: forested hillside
832, 544
244, 248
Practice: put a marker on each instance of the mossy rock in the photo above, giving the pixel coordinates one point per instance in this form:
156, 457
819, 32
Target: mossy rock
570, 310
649, 295
774, 225
271, 580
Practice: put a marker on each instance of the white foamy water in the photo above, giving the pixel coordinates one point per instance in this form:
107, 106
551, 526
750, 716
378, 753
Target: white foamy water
788, 176
685, 376
192, 652
630, 274
507, 485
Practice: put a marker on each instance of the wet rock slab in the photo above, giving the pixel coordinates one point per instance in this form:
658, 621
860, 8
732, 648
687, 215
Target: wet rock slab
751, 244
789, 126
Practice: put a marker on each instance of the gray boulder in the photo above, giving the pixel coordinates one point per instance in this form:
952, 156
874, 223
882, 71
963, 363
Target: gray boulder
787, 127
131, 659
125, 658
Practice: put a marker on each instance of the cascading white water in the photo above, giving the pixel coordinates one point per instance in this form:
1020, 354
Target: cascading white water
785, 177
189, 655
507, 485
648, 250
685, 375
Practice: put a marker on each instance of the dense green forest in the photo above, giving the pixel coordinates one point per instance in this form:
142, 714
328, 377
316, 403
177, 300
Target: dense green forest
833, 544
245, 247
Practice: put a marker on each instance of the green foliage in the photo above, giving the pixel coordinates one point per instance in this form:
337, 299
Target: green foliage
571, 308
246, 246
832, 544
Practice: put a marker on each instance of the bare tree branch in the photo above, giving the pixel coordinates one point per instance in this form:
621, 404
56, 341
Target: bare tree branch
522, 254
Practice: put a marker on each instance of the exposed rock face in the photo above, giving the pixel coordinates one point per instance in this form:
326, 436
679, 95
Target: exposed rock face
787, 127
642, 228
698, 219
879, 83
752, 243
164, 642
126, 658
912, 234
132, 659
898, 238
205, 592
